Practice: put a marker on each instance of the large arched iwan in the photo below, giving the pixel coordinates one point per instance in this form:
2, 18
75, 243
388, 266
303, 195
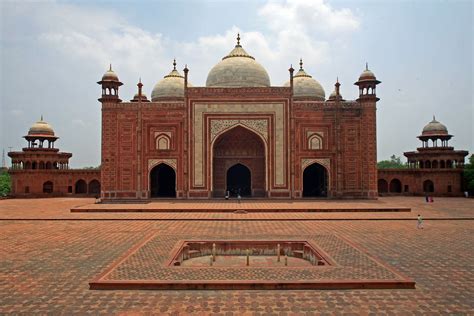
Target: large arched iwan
239, 145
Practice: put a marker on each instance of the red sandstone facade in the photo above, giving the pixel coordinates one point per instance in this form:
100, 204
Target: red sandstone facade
226, 138
238, 136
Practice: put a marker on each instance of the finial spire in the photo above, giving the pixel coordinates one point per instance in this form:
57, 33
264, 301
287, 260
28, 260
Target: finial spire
140, 80
238, 39
174, 64
366, 66
301, 63
434, 118
42, 117
337, 79
110, 67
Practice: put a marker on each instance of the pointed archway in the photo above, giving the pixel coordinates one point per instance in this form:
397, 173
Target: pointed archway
315, 181
162, 181
239, 180
239, 149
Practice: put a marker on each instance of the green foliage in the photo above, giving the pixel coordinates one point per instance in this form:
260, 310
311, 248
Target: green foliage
5, 183
394, 162
469, 174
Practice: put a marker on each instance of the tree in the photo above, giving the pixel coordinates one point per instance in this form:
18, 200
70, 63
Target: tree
469, 175
394, 162
5, 183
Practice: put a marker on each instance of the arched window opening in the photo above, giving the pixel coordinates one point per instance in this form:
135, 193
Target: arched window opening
80, 187
48, 187
94, 187
382, 186
395, 186
442, 164
449, 164
41, 165
34, 165
315, 181
163, 142
428, 164
315, 142
434, 164
428, 186
162, 181
239, 180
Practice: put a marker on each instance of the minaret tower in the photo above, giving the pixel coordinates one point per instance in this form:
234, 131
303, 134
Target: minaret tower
368, 135
110, 87
367, 84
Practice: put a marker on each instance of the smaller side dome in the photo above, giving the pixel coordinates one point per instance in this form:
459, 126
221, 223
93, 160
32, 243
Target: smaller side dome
333, 96
434, 128
304, 86
41, 128
110, 75
367, 74
171, 86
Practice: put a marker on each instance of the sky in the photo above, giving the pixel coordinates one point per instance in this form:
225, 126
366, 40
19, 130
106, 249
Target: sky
53, 53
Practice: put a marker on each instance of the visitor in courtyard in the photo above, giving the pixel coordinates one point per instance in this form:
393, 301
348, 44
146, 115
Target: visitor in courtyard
419, 224
427, 198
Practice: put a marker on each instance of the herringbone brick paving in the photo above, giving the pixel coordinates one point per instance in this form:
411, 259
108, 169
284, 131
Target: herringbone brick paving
45, 266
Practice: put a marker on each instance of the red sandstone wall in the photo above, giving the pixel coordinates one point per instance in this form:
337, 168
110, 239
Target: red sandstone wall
414, 178
63, 181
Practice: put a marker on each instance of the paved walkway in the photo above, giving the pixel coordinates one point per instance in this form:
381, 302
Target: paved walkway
59, 208
45, 265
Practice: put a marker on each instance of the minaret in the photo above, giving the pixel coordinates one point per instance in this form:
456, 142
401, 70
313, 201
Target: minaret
367, 84
110, 86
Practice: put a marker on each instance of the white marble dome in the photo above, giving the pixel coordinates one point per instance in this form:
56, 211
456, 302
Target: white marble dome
171, 86
305, 86
238, 69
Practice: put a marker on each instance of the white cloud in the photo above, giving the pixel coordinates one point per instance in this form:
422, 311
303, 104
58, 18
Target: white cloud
308, 16
297, 29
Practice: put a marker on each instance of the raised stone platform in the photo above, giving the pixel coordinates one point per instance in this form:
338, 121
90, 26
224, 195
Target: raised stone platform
333, 263
246, 206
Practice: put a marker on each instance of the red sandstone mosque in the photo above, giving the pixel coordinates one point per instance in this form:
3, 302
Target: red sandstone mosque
238, 135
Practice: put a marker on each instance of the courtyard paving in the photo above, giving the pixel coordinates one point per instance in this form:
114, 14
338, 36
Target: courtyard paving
48, 255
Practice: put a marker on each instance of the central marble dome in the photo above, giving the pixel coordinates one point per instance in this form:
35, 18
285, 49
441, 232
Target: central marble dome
238, 69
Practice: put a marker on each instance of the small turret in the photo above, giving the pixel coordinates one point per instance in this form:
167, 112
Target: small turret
110, 86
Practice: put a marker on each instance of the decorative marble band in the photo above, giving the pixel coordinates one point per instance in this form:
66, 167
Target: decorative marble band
325, 162
170, 162
259, 126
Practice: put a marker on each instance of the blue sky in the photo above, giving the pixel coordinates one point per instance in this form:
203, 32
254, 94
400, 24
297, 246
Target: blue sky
54, 52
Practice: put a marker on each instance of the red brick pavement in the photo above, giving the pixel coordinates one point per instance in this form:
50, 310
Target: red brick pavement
45, 266
59, 208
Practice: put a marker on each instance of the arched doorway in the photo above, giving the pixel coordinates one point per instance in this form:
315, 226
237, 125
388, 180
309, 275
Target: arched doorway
162, 181
94, 187
315, 181
428, 186
80, 187
382, 186
48, 187
395, 186
239, 180
238, 149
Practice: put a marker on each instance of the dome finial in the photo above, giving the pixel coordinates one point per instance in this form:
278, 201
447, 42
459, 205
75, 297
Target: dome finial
110, 67
174, 64
366, 66
337, 79
238, 39
434, 118
301, 63
41, 117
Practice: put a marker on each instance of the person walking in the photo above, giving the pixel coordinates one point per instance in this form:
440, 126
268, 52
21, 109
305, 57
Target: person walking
419, 224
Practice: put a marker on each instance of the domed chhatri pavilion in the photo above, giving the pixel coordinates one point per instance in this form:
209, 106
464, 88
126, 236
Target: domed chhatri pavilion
238, 135
435, 168
41, 169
